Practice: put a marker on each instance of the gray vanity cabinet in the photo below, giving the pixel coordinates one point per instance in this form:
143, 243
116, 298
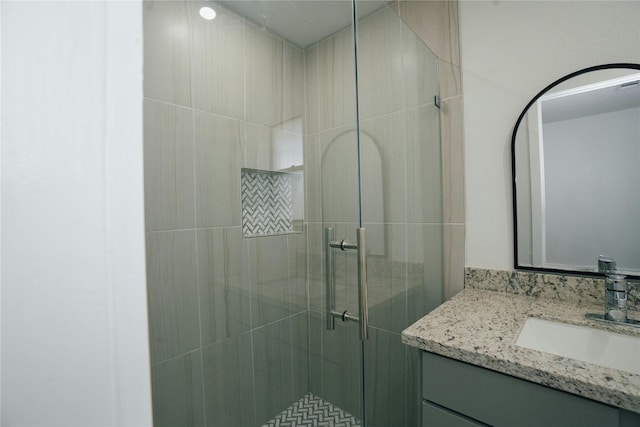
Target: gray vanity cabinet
457, 394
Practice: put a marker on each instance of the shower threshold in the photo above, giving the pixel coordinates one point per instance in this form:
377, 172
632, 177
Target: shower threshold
311, 410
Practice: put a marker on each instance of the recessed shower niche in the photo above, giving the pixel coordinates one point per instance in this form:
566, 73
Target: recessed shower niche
272, 202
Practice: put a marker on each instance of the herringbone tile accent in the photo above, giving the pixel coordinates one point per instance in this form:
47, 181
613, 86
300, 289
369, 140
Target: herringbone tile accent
267, 203
313, 411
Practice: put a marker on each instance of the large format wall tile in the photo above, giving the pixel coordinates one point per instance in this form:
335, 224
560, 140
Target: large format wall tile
311, 89
339, 175
315, 265
340, 363
313, 181
177, 392
258, 146
387, 277
293, 90
265, 76
450, 80
218, 63
380, 82
419, 70
228, 383
271, 148
454, 259
269, 278
424, 168
218, 162
451, 118
274, 81
382, 153
297, 271
300, 354
272, 360
223, 283
168, 167
172, 293
336, 81
316, 325
425, 277
386, 379
167, 62
436, 23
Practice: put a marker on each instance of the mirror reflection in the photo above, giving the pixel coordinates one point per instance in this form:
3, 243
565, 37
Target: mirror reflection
576, 151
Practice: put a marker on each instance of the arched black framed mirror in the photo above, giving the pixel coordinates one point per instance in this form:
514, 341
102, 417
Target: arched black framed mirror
575, 154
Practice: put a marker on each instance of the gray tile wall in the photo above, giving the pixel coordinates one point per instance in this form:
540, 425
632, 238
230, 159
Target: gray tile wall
238, 324
228, 316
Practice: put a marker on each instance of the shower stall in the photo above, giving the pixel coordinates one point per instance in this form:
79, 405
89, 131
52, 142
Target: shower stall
273, 132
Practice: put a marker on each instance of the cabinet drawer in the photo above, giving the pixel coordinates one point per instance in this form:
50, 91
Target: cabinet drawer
501, 400
436, 416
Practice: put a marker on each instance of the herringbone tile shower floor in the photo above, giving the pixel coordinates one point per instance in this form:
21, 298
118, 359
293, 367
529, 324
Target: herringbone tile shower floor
313, 411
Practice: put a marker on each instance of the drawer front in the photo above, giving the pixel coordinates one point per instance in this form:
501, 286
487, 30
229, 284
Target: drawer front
501, 400
436, 416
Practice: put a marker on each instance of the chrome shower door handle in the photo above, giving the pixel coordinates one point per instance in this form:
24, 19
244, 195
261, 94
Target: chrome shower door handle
363, 317
363, 304
330, 290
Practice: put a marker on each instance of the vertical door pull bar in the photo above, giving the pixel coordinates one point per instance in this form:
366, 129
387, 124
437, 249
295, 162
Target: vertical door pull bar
332, 314
330, 284
363, 305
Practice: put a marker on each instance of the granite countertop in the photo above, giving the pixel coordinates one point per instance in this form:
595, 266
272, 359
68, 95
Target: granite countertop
480, 327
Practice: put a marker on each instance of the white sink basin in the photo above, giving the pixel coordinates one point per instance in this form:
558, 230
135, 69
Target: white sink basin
589, 345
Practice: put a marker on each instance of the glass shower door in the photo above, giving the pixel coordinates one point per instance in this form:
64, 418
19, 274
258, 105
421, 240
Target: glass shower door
401, 186
261, 132
334, 215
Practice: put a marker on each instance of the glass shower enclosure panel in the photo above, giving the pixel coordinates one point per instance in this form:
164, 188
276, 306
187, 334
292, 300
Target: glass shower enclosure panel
265, 126
399, 123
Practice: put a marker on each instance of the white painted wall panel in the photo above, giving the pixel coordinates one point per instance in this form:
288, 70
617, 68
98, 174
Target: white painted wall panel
74, 325
510, 51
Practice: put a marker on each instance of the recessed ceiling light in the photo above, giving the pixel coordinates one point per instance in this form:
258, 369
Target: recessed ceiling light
207, 13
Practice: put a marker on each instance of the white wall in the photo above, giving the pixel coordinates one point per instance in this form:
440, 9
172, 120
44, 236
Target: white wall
590, 203
510, 51
73, 307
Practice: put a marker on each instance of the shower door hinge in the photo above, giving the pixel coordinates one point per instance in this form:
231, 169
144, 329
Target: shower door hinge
436, 101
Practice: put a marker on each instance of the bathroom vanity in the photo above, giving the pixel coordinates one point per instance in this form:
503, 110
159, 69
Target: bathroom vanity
475, 374
461, 394
515, 348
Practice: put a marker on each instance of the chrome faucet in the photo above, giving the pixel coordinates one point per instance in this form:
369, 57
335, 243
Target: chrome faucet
616, 290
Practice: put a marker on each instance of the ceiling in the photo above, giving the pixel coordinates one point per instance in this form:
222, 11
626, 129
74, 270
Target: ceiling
302, 22
605, 99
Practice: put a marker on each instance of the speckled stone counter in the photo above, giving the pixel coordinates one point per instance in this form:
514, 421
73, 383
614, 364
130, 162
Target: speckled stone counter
480, 327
